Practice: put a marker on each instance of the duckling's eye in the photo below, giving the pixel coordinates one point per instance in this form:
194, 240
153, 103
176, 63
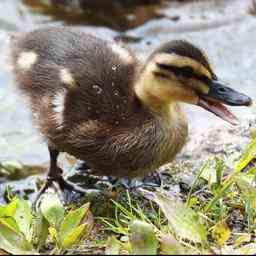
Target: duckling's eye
187, 71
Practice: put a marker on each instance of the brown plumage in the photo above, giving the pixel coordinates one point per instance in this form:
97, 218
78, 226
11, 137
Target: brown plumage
94, 100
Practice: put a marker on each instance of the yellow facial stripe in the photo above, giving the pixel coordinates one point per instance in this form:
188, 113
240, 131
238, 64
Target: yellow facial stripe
199, 86
181, 61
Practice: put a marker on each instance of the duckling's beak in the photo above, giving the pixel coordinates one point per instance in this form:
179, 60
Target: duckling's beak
220, 94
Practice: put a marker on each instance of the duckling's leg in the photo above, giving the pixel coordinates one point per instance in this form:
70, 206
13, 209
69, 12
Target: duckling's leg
55, 175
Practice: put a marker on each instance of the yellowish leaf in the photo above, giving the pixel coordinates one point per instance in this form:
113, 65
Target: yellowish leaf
54, 235
113, 246
249, 249
221, 232
73, 237
242, 238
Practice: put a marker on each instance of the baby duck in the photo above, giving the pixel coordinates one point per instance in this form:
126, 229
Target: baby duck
94, 100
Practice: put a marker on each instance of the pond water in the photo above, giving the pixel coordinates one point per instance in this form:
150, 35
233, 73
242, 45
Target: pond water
224, 29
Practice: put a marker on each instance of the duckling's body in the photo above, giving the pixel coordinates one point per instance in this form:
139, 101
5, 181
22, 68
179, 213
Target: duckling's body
93, 99
82, 93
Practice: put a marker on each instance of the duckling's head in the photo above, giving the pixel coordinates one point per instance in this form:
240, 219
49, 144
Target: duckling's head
180, 72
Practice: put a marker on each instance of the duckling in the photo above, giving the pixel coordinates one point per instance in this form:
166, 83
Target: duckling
96, 101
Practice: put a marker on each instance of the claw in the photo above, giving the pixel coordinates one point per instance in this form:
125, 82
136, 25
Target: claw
135, 183
63, 185
66, 185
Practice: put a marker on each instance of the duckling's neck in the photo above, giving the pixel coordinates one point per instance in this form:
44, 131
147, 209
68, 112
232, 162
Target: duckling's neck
153, 97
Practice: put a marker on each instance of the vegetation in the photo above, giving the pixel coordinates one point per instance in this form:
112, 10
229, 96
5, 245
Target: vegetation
216, 216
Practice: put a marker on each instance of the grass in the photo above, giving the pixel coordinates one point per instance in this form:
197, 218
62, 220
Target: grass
217, 215
213, 205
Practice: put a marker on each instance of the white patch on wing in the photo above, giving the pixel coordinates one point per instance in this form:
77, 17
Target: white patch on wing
66, 77
59, 107
123, 53
26, 60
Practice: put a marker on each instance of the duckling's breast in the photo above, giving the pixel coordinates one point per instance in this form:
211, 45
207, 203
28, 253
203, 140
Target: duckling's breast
140, 146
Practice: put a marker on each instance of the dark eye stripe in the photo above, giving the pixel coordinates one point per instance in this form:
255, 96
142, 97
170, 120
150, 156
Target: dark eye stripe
186, 71
162, 75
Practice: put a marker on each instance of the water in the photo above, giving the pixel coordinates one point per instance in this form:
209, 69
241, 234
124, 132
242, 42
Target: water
97, 89
120, 15
228, 40
114, 68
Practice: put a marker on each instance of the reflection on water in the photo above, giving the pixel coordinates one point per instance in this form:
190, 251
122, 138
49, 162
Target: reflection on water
116, 14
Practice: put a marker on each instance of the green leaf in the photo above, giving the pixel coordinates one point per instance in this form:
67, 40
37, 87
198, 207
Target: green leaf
184, 221
74, 236
2, 208
9, 210
52, 209
209, 174
13, 241
39, 231
220, 193
72, 220
54, 235
245, 183
242, 238
213, 172
142, 238
113, 246
247, 157
10, 222
23, 217
17, 214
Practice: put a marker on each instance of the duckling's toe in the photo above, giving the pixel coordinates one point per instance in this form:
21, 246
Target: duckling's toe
152, 181
155, 178
67, 185
63, 185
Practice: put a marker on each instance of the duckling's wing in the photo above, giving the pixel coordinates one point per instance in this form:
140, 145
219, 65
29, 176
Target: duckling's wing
95, 76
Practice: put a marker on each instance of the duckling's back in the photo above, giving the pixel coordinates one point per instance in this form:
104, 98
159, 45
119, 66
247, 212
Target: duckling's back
72, 75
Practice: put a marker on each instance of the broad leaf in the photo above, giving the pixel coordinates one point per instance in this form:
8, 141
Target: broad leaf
142, 238
72, 220
52, 209
23, 217
14, 242
74, 236
10, 222
9, 210
184, 221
